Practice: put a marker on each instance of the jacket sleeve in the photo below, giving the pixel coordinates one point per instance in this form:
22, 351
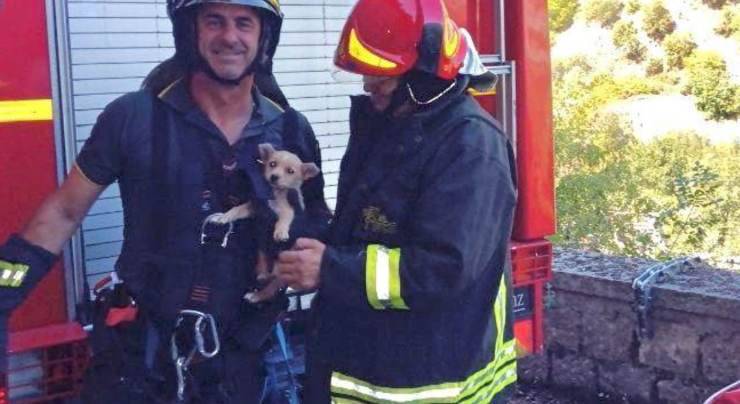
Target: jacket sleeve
460, 221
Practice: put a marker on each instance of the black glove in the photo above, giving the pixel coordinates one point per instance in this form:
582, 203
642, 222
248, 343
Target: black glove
22, 266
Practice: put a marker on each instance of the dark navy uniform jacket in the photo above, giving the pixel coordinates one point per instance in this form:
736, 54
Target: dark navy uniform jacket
171, 181
414, 298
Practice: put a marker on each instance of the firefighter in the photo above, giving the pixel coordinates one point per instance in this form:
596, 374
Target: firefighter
182, 149
414, 279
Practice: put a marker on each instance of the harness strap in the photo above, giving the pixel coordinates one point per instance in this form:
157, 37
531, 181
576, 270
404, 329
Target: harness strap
159, 164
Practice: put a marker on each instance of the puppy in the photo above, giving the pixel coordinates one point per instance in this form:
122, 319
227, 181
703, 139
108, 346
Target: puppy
285, 173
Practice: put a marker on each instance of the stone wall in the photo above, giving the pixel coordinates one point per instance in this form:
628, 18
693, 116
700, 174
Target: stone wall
593, 350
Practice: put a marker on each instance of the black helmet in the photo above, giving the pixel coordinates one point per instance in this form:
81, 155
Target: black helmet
182, 14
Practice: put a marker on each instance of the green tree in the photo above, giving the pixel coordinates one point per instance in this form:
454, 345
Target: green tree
604, 12
729, 23
670, 196
678, 46
715, 4
562, 13
633, 6
690, 184
709, 82
657, 21
624, 36
654, 66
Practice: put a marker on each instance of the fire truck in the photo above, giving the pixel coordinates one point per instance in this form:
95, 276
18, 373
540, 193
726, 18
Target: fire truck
47, 348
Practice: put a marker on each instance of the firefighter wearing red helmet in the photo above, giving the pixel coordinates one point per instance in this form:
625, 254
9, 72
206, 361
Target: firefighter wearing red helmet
183, 150
414, 276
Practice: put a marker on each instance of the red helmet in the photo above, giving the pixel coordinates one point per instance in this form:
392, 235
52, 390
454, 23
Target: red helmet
391, 37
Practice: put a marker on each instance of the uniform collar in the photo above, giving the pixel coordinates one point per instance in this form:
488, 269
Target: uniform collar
177, 96
361, 105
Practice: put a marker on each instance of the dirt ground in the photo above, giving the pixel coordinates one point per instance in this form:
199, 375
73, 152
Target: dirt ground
539, 394
529, 394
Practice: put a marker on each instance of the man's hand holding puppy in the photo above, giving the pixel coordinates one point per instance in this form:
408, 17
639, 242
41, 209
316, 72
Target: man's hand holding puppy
300, 267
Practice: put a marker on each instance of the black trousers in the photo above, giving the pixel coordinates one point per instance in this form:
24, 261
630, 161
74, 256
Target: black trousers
234, 376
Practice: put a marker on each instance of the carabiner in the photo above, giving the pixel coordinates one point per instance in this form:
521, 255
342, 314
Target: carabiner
213, 218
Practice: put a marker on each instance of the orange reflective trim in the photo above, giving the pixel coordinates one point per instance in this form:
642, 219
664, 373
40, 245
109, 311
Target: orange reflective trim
26, 110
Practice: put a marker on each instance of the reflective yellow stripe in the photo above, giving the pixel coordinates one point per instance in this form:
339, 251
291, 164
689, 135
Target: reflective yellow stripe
451, 38
485, 383
12, 275
370, 277
383, 278
499, 313
26, 110
476, 93
365, 55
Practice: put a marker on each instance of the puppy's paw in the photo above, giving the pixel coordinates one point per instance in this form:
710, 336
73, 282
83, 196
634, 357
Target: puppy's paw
281, 233
234, 214
251, 297
264, 277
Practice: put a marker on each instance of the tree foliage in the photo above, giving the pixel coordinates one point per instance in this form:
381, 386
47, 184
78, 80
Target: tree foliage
562, 13
709, 82
654, 66
678, 46
657, 20
633, 6
729, 23
624, 36
670, 196
715, 4
604, 12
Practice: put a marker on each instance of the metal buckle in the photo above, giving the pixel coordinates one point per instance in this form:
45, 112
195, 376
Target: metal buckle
213, 219
182, 362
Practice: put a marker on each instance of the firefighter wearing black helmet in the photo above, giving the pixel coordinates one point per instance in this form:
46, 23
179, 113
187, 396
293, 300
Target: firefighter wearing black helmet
182, 149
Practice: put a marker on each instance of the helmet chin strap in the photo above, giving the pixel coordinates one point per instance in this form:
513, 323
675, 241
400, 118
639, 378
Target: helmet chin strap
203, 66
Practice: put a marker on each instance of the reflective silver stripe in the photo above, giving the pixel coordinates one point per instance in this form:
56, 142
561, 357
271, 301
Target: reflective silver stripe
445, 392
382, 276
487, 382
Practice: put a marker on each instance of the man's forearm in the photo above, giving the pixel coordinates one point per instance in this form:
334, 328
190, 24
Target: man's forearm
60, 215
51, 227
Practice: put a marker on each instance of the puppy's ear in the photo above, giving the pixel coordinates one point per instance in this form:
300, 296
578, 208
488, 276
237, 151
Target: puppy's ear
309, 170
266, 150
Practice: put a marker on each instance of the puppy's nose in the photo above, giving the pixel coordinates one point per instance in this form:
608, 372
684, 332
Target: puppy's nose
274, 178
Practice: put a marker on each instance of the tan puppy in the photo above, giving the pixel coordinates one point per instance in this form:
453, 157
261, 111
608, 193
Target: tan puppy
285, 173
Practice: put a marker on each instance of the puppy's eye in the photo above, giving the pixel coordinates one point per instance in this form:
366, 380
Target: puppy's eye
273, 164
291, 171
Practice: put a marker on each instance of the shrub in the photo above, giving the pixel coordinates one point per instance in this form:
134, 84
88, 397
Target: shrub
658, 21
605, 12
630, 86
633, 6
562, 13
710, 83
678, 46
715, 4
623, 33
654, 67
729, 23
624, 36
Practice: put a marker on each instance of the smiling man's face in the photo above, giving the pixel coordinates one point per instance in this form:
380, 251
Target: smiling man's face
228, 38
